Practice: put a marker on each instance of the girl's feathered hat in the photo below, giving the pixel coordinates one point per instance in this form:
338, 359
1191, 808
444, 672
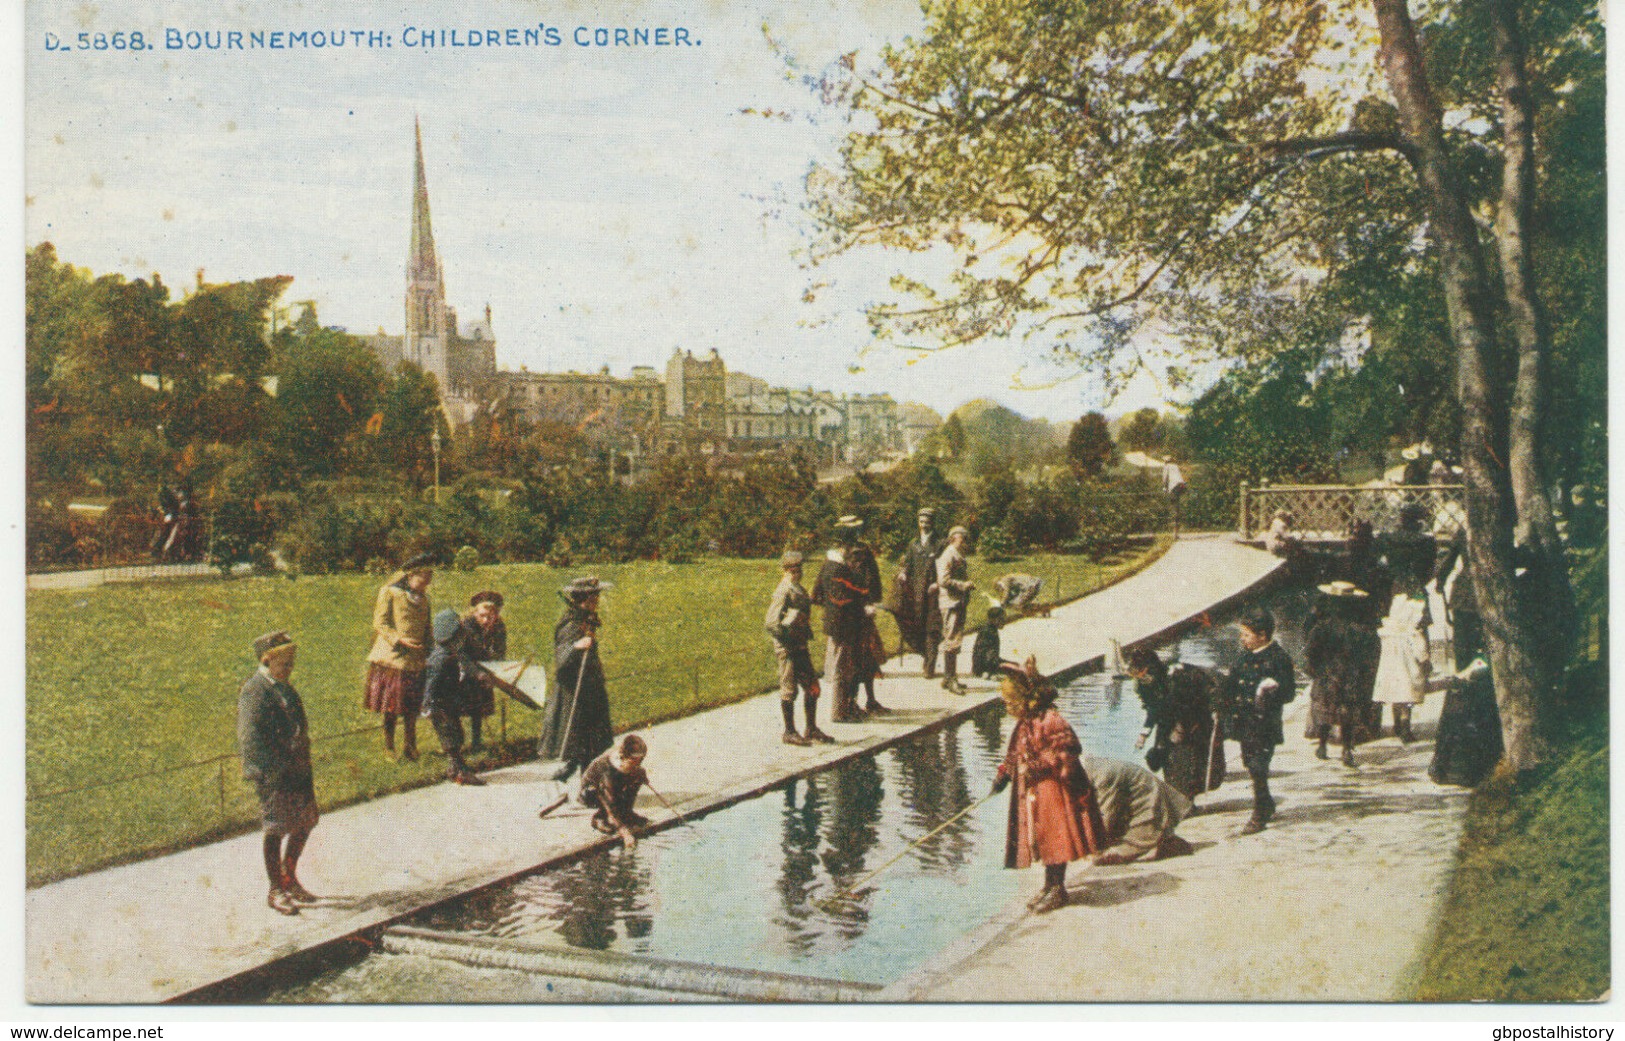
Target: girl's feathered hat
1024, 690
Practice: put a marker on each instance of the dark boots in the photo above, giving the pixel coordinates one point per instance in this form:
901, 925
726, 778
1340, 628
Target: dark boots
950, 673
787, 707
1053, 897
809, 705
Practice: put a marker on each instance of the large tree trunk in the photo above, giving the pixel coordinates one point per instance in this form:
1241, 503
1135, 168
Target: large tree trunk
1513, 645
1536, 529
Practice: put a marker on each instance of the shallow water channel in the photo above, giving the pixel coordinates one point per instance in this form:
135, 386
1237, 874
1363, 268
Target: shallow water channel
750, 886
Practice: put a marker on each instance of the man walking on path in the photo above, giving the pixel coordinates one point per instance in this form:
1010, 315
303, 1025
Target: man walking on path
844, 591
917, 614
274, 739
953, 600
578, 726
1173, 482
789, 624
1260, 686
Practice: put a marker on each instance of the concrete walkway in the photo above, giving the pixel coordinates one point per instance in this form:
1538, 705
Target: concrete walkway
164, 928
1333, 902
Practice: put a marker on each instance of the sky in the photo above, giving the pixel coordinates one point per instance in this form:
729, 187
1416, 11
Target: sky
610, 204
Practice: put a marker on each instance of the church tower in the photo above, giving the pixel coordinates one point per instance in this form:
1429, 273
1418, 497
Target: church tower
428, 325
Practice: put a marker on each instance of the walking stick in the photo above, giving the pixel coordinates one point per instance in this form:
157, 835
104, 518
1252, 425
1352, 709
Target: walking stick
851, 892
1212, 746
575, 699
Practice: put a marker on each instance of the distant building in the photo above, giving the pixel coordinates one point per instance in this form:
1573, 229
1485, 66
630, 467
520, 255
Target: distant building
462, 361
698, 405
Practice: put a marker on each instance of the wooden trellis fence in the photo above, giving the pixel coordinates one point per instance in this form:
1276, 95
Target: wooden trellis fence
1327, 511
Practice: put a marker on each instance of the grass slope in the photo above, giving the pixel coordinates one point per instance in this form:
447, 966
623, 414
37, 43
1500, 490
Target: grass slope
1527, 914
130, 680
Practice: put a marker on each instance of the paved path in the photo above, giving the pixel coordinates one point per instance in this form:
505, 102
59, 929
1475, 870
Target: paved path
165, 927
1333, 902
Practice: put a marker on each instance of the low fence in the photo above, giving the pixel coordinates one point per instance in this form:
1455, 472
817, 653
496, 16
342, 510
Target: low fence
1328, 511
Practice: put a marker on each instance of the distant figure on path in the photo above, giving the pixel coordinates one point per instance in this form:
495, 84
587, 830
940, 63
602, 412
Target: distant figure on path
1341, 659
844, 591
485, 638
577, 727
1139, 810
1054, 818
953, 601
916, 591
1259, 686
1173, 483
273, 738
400, 651
610, 786
446, 696
789, 625
1179, 712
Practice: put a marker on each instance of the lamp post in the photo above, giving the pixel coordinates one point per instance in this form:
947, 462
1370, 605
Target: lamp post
434, 443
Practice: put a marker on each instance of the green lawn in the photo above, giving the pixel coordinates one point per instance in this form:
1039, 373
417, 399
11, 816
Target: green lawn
128, 680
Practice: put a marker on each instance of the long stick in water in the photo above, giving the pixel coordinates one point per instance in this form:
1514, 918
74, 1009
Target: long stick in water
851, 890
680, 818
1212, 744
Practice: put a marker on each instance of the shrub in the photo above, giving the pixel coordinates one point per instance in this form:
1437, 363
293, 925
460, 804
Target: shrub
996, 544
467, 559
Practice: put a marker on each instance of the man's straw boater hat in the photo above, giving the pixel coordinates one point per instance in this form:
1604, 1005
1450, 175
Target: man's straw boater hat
791, 558
1342, 589
927, 513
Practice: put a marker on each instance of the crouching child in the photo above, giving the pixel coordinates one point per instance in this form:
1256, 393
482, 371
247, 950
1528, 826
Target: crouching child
610, 787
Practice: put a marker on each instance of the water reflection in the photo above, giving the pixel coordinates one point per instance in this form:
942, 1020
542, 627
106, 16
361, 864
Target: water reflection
749, 886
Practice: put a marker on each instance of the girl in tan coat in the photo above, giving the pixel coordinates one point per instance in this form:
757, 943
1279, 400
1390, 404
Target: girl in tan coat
400, 651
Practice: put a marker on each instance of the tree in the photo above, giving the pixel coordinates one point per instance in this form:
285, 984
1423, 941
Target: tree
1213, 167
328, 387
1089, 447
1142, 431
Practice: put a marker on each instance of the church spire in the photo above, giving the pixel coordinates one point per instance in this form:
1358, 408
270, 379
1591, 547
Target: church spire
421, 260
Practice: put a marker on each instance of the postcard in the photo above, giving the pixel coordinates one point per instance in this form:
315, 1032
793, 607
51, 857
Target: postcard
879, 503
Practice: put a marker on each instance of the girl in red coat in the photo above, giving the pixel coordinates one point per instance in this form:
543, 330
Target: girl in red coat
1054, 818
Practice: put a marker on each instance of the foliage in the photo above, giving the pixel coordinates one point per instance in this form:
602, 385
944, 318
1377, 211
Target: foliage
466, 559
173, 655
1089, 447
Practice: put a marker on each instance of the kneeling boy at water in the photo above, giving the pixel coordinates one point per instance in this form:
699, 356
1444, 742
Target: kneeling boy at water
611, 786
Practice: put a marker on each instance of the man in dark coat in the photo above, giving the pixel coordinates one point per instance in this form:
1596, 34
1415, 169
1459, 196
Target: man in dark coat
578, 727
273, 737
485, 638
917, 614
1259, 686
610, 786
844, 590
446, 695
